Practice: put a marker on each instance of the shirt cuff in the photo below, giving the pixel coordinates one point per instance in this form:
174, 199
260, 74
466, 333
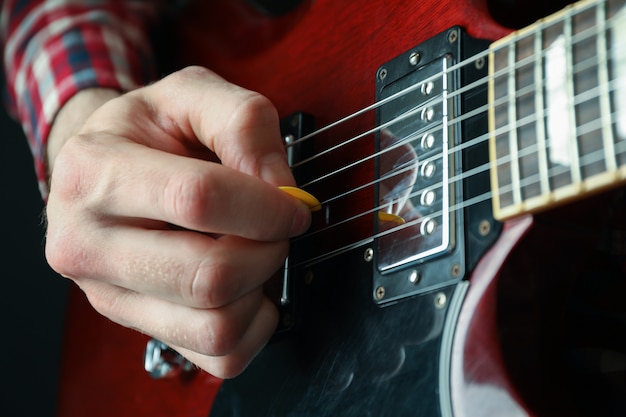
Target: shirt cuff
86, 49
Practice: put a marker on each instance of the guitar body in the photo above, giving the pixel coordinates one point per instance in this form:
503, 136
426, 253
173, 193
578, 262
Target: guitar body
495, 338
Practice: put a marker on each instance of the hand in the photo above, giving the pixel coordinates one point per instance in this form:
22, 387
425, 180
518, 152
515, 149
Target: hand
165, 210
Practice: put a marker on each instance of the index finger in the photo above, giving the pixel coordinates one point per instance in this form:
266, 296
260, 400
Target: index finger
239, 125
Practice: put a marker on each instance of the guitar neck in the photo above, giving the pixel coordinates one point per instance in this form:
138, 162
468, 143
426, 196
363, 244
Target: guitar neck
557, 111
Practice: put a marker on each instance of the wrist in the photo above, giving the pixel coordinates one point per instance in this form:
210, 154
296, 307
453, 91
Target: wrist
72, 116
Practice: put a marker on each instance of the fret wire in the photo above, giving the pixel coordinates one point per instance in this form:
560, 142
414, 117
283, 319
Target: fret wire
512, 110
620, 148
603, 84
575, 170
453, 94
502, 130
542, 153
454, 67
496, 131
573, 37
588, 159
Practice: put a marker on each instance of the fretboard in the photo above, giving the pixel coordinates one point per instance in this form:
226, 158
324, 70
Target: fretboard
557, 115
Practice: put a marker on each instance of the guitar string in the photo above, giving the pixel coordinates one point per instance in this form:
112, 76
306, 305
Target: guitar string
597, 156
589, 159
486, 196
583, 97
531, 59
515, 37
527, 151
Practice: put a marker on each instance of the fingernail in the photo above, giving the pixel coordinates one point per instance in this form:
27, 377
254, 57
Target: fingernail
301, 220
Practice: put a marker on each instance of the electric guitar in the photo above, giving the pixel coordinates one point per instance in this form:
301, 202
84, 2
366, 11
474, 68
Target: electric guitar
469, 258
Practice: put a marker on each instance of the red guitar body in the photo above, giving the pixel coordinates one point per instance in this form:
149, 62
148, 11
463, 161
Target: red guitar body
516, 331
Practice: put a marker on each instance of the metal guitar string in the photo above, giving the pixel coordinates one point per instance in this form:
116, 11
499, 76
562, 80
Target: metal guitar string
530, 180
588, 159
555, 171
466, 203
591, 158
584, 35
524, 121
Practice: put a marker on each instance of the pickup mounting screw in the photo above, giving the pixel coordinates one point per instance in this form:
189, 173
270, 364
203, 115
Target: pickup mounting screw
414, 277
368, 255
380, 292
484, 228
414, 58
440, 300
480, 63
453, 35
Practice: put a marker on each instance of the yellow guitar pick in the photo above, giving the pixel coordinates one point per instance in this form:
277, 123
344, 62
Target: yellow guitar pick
303, 196
388, 217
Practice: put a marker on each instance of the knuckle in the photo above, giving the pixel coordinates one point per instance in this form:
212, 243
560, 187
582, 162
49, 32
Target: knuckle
77, 181
254, 109
69, 180
184, 75
63, 253
253, 116
189, 197
58, 258
218, 336
192, 72
104, 302
212, 285
229, 368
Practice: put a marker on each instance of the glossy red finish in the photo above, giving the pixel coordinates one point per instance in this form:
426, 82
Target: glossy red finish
479, 384
322, 59
523, 321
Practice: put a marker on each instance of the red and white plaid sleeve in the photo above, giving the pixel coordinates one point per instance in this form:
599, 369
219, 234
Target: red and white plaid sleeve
52, 49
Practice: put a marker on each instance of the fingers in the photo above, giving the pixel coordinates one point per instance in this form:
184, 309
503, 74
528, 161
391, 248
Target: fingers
180, 266
135, 182
221, 341
194, 106
191, 151
255, 338
187, 114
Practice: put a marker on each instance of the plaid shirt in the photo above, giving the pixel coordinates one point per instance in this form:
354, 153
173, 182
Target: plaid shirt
52, 49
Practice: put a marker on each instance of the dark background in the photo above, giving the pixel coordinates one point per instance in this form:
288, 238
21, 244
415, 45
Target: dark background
33, 295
